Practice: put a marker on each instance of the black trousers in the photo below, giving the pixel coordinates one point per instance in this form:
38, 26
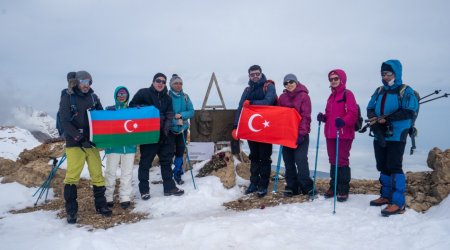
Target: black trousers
180, 143
165, 152
297, 168
261, 163
390, 158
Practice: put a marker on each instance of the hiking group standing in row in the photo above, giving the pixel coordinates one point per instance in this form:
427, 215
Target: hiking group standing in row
389, 112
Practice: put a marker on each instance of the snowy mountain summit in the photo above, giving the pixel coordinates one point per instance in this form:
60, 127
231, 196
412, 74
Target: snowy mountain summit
14, 140
39, 123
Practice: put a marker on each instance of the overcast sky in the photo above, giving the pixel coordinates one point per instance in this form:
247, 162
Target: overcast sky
127, 42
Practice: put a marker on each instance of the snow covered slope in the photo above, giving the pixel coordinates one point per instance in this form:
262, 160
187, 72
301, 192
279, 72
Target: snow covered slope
14, 140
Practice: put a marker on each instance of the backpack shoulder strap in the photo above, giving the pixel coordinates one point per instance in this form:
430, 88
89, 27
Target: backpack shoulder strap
266, 85
73, 104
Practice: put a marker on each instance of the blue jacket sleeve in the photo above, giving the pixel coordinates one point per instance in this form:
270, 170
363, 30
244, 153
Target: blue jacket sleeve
189, 112
371, 106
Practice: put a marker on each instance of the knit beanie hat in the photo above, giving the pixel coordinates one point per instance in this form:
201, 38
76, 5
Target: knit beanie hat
83, 75
290, 77
175, 78
255, 67
386, 67
159, 75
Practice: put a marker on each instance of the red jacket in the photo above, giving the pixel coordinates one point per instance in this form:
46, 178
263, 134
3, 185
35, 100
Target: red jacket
300, 101
337, 107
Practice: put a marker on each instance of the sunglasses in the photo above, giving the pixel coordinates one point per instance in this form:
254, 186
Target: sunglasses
333, 79
289, 82
387, 73
160, 81
85, 82
255, 74
122, 94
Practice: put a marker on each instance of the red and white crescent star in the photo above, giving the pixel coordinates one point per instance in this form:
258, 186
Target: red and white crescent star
125, 126
250, 123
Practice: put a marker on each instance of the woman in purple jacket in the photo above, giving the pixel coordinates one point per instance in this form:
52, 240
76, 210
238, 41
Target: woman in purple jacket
341, 113
296, 159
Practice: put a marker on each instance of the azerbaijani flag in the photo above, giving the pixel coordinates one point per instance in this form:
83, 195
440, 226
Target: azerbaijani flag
131, 126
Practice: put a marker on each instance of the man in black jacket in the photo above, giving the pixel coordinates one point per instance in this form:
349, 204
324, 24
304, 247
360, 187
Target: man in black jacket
157, 96
74, 120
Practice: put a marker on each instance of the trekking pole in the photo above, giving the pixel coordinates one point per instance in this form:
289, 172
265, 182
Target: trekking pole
336, 170
189, 160
45, 186
444, 95
315, 164
277, 172
434, 93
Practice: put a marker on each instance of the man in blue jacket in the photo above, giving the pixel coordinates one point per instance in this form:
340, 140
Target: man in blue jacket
392, 107
257, 93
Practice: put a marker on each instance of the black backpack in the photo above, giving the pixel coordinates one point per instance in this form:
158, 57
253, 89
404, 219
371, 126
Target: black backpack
359, 122
73, 109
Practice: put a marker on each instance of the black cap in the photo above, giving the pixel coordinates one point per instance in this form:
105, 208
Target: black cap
159, 75
255, 67
386, 67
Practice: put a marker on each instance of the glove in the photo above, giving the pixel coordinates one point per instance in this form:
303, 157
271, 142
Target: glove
321, 117
300, 139
234, 134
339, 123
87, 144
246, 103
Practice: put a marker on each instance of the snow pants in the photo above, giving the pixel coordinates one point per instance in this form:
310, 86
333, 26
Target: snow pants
126, 163
260, 158
297, 169
76, 158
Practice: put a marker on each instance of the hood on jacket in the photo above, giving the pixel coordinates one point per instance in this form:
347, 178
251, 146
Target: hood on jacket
397, 68
342, 77
119, 104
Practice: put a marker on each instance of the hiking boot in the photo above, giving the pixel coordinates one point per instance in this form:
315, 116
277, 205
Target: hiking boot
145, 196
379, 202
392, 209
71, 218
125, 204
289, 192
251, 189
262, 192
110, 204
174, 191
342, 197
105, 211
329, 193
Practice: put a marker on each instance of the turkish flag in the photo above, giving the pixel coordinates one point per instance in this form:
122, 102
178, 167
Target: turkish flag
269, 124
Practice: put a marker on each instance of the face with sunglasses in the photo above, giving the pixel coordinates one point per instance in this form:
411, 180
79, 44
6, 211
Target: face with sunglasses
290, 85
84, 85
122, 95
159, 84
255, 75
388, 77
334, 80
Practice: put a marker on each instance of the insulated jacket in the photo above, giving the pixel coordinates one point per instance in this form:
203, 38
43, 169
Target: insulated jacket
117, 106
77, 129
300, 101
162, 101
256, 95
399, 110
181, 105
338, 107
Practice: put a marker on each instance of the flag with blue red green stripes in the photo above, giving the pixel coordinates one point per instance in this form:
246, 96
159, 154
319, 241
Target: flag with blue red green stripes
131, 126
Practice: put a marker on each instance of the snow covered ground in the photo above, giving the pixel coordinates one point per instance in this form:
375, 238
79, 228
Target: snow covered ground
197, 220
13, 140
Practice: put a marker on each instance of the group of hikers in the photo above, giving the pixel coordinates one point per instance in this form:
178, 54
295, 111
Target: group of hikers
390, 114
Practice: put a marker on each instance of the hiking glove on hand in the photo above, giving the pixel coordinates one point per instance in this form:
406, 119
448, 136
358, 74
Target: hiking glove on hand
339, 123
321, 117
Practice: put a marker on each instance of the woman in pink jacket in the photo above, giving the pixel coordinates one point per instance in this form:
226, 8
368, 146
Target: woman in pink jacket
341, 114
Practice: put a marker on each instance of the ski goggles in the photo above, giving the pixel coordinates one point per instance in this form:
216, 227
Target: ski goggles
85, 81
387, 73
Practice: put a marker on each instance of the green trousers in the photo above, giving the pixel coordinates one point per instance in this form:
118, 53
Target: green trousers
76, 157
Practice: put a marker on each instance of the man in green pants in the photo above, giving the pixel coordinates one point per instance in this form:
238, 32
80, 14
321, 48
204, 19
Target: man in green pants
74, 121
